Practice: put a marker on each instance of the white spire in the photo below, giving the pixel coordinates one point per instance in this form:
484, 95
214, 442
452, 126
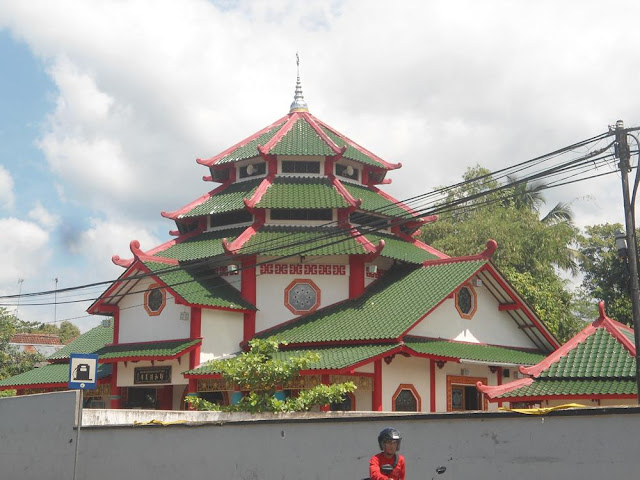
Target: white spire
298, 105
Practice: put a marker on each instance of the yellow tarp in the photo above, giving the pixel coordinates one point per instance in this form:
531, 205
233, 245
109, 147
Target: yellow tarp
542, 410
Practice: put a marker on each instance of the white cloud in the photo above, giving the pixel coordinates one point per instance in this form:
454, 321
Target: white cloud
7, 197
24, 249
43, 217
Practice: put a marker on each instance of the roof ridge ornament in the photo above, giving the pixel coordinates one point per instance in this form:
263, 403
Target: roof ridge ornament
298, 105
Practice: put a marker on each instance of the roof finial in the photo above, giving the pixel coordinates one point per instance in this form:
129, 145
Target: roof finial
298, 105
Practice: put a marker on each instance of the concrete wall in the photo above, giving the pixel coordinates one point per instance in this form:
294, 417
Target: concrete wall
35, 432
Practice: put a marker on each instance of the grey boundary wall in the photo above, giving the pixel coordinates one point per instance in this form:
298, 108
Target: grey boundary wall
37, 441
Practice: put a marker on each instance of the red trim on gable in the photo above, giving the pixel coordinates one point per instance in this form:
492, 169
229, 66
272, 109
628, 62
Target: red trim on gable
260, 191
134, 245
188, 207
209, 162
496, 390
389, 166
417, 243
233, 247
288, 125
344, 192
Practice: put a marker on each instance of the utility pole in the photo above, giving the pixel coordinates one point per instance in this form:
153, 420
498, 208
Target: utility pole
622, 152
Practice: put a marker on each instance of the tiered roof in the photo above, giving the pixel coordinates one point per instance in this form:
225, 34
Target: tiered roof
599, 362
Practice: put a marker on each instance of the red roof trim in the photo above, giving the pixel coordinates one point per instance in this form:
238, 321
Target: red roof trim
260, 191
133, 358
369, 247
209, 162
344, 192
233, 247
614, 327
494, 391
288, 125
198, 201
108, 293
142, 256
421, 245
395, 201
488, 252
311, 121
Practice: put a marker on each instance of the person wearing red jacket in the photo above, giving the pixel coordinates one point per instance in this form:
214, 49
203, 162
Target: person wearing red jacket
388, 464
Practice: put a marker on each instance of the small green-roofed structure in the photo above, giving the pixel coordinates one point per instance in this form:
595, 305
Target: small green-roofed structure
51, 375
89, 342
163, 350
596, 364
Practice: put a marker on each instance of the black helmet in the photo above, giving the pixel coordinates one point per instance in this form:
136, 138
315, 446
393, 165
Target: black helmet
389, 434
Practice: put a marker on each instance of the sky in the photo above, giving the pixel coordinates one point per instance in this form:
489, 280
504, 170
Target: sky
105, 105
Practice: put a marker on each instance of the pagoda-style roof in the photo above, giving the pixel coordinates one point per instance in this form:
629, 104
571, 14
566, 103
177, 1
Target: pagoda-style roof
599, 362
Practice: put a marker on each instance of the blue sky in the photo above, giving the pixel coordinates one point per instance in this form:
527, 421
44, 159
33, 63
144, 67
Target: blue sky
104, 107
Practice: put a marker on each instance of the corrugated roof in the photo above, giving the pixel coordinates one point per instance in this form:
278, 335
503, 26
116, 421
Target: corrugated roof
88, 342
475, 352
200, 286
568, 388
151, 350
385, 311
302, 192
35, 339
228, 200
54, 373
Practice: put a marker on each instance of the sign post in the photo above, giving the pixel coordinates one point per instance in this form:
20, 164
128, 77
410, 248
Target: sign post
83, 375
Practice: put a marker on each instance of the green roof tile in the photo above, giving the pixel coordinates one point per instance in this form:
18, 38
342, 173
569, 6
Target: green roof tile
352, 153
165, 349
373, 202
88, 342
302, 192
399, 249
228, 200
387, 308
283, 241
301, 139
564, 388
205, 245
333, 358
48, 374
199, 286
250, 149
599, 356
467, 351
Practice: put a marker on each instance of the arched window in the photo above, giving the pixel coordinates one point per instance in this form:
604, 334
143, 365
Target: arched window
406, 399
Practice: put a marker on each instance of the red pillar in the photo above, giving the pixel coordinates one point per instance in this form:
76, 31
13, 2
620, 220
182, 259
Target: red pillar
376, 397
432, 385
356, 275
248, 290
499, 380
115, 390
325, 381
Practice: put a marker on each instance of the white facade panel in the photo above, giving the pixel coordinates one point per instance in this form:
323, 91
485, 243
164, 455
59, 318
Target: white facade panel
126, 372
221, 333
488, 324
405, 371
136, 325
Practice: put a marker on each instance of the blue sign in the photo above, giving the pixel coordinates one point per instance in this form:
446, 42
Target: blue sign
83, 371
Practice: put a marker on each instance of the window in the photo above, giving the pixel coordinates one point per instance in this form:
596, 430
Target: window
141, 398
347, 171
229, 218
302, 296
302, 214
466, 301
155, 299
463, 395
219, 175
347, 405
290, 166
406, 399
253, 170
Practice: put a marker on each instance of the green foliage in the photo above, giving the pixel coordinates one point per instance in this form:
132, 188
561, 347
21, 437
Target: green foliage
262, 371
606, 275
66, 332
531, 247
13, 362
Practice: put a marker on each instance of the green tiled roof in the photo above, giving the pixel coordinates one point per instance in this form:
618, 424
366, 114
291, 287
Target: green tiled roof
250, 149
228, 200
352, 153
301, 139
200, 287
88, 342
48, 374
399, 249
283, 241
373, 202
333, 358
467, 351
166, 349
599, 356
205, 245
564, 388
302, 192
386, 309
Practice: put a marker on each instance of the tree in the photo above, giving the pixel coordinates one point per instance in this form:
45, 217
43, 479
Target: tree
66, 332
261, 371
13, 362
531, 246
606, 275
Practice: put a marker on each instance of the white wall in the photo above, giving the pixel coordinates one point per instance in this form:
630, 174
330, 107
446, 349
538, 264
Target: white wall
221, 333
271, 288
125, 373
37, 441
136, 325
488, 324
402, 370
